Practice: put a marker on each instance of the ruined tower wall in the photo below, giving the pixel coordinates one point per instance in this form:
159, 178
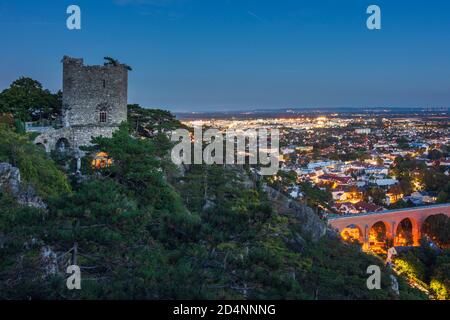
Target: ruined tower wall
94, 104
88, 90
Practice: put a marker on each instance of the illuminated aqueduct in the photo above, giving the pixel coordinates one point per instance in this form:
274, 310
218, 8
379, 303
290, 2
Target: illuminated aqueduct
389, 221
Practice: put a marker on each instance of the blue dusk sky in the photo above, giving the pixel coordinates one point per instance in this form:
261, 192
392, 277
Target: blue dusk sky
205, 55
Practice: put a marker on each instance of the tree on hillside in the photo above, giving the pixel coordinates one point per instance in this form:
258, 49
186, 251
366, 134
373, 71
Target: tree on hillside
155, 124
27, 100
149, 123
438, 229
435, 180
377, 195
435, 154
114, 62
138, 169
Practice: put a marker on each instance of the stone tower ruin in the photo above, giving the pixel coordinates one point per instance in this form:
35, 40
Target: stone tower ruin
94, 104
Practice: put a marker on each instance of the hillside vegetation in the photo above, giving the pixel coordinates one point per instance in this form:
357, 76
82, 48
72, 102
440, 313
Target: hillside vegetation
141, 230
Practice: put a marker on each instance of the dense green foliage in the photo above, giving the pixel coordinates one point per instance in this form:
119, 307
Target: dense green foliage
314, 196
434, 179
27, 100
437, 227
214, 236
35, 168
150, 122
377, 195
260, 253
428, 267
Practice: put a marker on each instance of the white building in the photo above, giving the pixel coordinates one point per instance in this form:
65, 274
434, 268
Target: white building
362, 131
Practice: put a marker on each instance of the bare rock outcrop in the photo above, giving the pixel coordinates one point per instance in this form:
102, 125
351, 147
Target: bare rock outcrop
9, 178
24, 194
309, 224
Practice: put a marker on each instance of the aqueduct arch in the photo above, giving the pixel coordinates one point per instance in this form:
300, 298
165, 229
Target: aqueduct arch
353, 232
392, 219
407, 231
380, 231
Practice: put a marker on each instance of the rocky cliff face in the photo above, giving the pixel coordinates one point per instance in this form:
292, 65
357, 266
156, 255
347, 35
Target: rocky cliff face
24, 194
9, 178
310, 225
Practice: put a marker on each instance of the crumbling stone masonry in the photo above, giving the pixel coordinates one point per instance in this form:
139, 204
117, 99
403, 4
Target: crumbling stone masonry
94, 104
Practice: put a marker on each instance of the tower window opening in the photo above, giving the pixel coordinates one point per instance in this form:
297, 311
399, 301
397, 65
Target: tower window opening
102, 116
104, 83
